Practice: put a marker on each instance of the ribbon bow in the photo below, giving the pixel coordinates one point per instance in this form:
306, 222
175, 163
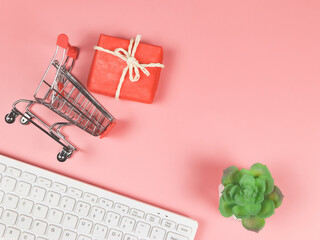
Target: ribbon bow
133, 64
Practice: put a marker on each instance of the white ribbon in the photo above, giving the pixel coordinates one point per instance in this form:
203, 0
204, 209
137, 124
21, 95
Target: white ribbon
132, 62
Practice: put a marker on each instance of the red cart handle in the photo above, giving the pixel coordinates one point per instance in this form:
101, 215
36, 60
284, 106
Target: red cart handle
63, 41
112, 124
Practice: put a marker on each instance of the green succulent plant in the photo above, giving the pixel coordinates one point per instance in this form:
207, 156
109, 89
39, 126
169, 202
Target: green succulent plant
249, 195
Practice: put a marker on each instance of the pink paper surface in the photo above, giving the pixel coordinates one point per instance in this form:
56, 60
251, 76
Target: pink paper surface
241, 85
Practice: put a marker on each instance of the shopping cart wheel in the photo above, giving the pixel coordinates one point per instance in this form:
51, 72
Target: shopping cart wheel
10, 117
64, 155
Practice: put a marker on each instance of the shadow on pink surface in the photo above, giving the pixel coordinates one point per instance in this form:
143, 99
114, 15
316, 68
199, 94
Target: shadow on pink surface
120, 129
207, 173
166, 74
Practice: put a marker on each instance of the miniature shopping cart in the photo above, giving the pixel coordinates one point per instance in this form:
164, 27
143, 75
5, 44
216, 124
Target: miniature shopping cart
63, 94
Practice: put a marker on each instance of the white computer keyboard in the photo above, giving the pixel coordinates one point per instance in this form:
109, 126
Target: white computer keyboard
37, 204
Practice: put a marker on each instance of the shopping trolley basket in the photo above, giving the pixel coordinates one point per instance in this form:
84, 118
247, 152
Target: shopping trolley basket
63, 94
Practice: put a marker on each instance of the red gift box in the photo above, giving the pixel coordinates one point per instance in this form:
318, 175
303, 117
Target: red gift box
109, 63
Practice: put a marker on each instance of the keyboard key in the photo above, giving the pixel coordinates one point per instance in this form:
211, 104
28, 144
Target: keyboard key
39, 227
99, 231
153, 219
97, 213
114, 235
54, 232
40, 211
112, 218
2, 228
1, 211
29, 177
10, 201
127, 224
12, 233
53, 198
85, 226
137, 213
9, 217
142, 229
24, 222
90, 197
8, 183
121, 208
168, 224
82, 208
23, 188
130, 237
27, 236
25, 206
13, 172
157, 233
44, 182
81, 237
59, 187
174, 236
55, 215
69, 235
74, 192
184, 229
105, 203
70, 221
2, 167
67, 203
1, 196
37, 193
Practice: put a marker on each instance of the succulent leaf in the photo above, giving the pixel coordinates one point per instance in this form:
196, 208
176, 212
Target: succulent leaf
241, 212
240, 200
247, 180
261, 185
269, 183
229, 175
234, 190
224, 208
267, 209
225, 194
243, 172
259, 198
259, 169
276, 196
253, 223
254, 209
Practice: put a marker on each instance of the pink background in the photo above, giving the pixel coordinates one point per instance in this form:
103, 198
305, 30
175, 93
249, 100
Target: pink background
241, 85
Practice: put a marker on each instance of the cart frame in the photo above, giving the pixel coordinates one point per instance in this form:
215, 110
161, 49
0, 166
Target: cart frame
68, 98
